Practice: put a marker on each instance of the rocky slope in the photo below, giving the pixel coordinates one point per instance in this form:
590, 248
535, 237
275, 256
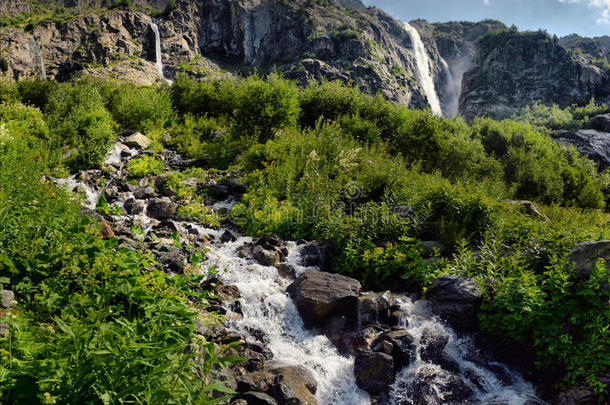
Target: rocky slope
512, 69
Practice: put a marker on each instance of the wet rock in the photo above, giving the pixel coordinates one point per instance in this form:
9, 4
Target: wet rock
318, 254
432, 350
398, 344
294, 385
374, 308
260, 381
228, 236
111, 193
235, 186
257, 398
287, 270
265, 257
174, 260
433, 387
581, 395
601, 122
585, 254
134, 207
106, 231
161, 208
166, 228
137, 141
456, 299
358, 340
531, 209
162, 185
144, 193
217, 191
319, 295
7, 298
374, 371
227, 293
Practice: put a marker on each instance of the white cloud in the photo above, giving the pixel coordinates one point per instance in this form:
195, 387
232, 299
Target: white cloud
486, 2
603, 6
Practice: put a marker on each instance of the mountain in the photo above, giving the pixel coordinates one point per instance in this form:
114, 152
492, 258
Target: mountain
475, 69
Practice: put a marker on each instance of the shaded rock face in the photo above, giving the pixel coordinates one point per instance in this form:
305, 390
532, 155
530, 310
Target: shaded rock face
374, 371
511, 70
457, 300
594, 144
585, 254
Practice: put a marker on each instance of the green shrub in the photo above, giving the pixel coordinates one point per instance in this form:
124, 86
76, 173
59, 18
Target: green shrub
264, 108
141, 108
145, 166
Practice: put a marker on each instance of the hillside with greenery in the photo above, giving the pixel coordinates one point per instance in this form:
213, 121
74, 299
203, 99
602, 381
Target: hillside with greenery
95, 323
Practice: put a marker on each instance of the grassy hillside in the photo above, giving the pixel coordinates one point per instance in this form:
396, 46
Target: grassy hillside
324, 162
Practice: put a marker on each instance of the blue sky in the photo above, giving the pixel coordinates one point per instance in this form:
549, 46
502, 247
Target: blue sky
561, 17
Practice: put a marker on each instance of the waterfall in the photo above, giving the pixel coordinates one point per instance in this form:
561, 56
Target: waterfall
158, 54
38, 59
422, 69
452, 91
487, 381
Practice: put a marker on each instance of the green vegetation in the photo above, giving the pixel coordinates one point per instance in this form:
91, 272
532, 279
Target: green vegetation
326, 163
554, 117
93, 322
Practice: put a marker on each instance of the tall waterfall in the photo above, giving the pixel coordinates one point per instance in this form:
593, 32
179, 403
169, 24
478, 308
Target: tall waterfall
422, 69
452, 92
38, 59
158, 54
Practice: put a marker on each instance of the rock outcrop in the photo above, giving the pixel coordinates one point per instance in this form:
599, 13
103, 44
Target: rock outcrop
589, 142
513, 69
456, 299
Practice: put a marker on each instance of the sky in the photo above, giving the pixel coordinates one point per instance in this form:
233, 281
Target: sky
562, 17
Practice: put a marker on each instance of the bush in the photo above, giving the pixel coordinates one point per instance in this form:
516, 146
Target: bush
80, 119
264, 108
145, 166
141, 108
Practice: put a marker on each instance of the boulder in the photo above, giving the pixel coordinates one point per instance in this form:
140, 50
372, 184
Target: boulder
144, 193
432, 350
581, 395
138, 141
374, 308
257, 398
217, 191
399, 344
601, 122
265, 257
456, 299
228, 236
319, 295
161, 208
134, 207
594, 144
294, 384
174, 260
585, 254
7, 298
106, 231
432, 386
374, 371
531, 209
318, 254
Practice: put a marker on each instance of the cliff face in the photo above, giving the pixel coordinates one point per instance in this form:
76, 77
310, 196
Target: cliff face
511, 70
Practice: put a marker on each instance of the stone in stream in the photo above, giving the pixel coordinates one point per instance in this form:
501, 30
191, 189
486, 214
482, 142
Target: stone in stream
320, 295
134, 207
432, 350
161, 208
228, 236
293, 384
144, 193
374, 308
374, 371
265, 257
174, 260
456, 299
398, 344
436, 387
138, 141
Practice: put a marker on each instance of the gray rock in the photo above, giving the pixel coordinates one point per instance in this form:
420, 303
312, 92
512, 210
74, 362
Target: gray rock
401, 344
257, 398
293, 384
265, 257
134, 207
374, 371
585, 254
594, 144
174, 260
138, 141
8, 298
581, 395
531, 209
434, 387
161, 208
228, 236
144, 193
319, 295
456, 299
374, 308
601, 122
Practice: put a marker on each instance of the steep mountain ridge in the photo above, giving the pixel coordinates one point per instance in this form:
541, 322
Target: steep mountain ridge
478, 68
